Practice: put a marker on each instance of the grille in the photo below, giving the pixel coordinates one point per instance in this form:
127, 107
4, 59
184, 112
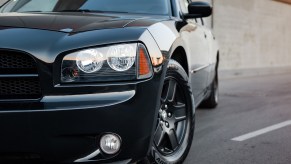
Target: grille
18, 77
16, 63
19, 88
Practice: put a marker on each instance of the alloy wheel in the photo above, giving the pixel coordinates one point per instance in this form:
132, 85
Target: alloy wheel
172, 118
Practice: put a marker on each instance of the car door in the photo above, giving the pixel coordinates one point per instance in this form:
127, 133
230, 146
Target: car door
196, 41
211, 55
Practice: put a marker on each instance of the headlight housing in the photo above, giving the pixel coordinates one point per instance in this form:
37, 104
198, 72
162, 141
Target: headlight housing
122, 62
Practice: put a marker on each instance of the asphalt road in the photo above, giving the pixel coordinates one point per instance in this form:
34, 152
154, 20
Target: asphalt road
247, 104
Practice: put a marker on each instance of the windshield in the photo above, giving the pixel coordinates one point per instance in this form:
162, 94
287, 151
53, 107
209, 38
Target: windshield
159, 7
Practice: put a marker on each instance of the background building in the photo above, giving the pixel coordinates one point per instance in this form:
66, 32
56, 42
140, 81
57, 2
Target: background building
2, 1
253, 33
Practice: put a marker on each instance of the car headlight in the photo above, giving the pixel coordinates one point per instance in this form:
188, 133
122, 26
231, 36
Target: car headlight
89, 61
122, 62
121, 58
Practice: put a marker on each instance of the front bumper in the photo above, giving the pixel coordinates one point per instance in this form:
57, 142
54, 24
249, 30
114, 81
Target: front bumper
68, 128
67, 122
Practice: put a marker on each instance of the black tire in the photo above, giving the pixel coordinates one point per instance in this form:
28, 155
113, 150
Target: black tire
173, 145
212, 101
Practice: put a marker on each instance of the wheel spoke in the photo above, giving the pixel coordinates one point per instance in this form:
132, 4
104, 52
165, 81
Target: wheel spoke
170, 91
173, 115
159, 135
173, 139
180, 112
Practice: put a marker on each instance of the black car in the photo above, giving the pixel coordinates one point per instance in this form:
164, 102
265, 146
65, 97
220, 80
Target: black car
103, 81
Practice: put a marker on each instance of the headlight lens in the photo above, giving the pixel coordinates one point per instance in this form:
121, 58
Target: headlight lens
89, 61
121, 57
121, 62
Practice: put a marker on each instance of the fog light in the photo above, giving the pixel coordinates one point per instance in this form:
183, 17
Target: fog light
110, 143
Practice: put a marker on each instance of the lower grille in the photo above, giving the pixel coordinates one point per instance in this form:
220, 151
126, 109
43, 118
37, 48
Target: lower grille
18, 76
19, 88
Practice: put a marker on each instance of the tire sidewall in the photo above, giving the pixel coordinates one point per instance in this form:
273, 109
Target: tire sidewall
175, 70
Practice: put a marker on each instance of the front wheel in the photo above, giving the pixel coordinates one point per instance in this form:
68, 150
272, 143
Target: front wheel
175, 127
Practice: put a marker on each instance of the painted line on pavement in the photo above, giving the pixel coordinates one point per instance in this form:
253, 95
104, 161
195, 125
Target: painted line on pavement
262, 131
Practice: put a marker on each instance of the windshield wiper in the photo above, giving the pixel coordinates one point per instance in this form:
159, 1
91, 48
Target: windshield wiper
31, 12
80, 10
91, 11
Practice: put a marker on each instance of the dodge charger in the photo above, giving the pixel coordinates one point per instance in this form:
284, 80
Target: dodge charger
103, 81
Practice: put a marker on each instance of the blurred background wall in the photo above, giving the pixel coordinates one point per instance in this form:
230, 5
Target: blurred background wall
253, 33
2, 1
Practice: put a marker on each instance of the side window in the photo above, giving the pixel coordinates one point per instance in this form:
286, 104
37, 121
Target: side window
184, 5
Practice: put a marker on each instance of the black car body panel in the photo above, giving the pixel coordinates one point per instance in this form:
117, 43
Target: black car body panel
67, 132
65, 22
115, 104
66, 121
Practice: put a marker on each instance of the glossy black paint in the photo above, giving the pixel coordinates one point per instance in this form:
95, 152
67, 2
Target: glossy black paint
65, 132
66, 21
119, 104
65, 124
199, 9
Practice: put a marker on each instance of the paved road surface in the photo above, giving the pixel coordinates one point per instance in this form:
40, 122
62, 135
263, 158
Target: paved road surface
247, 104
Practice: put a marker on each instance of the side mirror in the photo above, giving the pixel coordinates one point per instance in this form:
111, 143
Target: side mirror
198, 10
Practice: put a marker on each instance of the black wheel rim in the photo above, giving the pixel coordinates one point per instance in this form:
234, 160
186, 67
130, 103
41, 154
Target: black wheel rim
172, 119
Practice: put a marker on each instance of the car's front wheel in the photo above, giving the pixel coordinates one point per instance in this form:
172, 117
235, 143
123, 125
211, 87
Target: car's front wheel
175, 127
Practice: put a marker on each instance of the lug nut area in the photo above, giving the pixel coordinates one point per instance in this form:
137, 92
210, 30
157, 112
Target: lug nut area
165, 116
167, 124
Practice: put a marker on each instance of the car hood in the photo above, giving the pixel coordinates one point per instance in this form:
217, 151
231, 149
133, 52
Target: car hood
71, 22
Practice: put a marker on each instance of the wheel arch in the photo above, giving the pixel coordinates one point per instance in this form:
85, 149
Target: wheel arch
180, 56
171, 43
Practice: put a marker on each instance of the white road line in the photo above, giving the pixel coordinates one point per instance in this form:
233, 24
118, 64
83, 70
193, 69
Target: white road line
262, 131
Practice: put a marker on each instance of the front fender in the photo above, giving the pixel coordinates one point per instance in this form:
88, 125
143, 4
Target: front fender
169, 38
